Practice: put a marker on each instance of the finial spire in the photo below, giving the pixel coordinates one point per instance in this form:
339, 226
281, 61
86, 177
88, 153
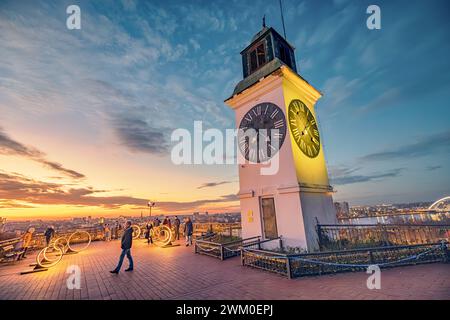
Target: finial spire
264, 21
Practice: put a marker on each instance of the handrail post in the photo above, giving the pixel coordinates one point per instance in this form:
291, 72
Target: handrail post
221, 252
446, 252
288, 267
319, 236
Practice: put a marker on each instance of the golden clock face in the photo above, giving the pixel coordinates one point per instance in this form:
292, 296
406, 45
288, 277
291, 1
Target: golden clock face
304, 128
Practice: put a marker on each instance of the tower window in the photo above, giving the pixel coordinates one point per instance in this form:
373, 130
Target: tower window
257, 57
285, 55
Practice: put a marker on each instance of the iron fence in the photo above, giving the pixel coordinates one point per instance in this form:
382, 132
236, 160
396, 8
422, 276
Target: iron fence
298, 265
38, 240
212, 245
343, 237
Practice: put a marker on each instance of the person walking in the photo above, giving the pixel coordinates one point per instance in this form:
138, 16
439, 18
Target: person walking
49, 233
126, 243
188, 230
148, 232
26, 241
176, 224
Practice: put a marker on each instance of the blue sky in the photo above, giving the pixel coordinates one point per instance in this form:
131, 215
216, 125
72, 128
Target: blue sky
116, 89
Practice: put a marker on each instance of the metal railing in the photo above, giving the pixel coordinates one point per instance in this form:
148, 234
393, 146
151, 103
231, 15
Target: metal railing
298, 265
226, 229
343, 237
38, 240
211, 245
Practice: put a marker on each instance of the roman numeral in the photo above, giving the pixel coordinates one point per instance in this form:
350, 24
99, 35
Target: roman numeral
274, 114
316, 132
314, 140
279, 124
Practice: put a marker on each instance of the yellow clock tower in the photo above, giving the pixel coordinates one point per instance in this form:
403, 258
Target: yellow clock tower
291, 201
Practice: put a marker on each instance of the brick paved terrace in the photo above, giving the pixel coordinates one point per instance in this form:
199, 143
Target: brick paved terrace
177, 273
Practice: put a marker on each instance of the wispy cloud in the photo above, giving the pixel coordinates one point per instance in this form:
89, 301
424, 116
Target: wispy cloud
424, 146
213, 184
347, 176
9, 146
18, 191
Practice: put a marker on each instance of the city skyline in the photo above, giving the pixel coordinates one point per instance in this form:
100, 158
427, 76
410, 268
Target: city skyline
87, 114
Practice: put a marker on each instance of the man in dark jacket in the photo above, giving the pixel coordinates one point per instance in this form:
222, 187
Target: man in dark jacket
49, 234
126, 243
188, 230
177, 223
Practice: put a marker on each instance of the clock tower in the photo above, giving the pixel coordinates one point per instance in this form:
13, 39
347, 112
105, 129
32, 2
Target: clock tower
273, 96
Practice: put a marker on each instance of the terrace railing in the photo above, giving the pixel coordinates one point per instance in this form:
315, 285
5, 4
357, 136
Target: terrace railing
211, 245
346, 236
38, 239
298, 265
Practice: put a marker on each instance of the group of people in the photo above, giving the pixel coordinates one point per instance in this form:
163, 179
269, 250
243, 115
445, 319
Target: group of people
111, 232
188, 228
25, 240
127, 238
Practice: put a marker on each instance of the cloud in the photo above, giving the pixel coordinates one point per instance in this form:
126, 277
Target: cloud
432, 168
424, 146
347, 177
213, 184
137, 135
8, 146
18, 191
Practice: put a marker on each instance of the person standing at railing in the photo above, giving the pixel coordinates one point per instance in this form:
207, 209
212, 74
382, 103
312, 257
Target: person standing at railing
188, 230
107, 232
176, 224
49, 234
126, 243
26, 241
148, 232
116, 230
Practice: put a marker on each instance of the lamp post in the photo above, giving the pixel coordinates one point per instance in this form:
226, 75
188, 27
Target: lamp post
150, 205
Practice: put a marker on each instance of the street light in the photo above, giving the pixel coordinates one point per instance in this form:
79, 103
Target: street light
150, 205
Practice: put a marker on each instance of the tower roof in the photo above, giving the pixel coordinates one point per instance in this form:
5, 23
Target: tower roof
262, 33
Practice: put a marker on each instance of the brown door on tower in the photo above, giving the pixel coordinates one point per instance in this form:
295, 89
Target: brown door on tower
269, 218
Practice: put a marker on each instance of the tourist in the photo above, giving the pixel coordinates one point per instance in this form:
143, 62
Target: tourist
49, 234
156, 222
116, 230
167, 222
107, 232
126, 243
176, 224
25, 243
188, 230
148, 232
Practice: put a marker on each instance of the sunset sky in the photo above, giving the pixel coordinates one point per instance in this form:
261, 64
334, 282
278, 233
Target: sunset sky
86, 115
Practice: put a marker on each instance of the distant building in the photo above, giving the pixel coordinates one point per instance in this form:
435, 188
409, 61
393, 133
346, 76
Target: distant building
2, 224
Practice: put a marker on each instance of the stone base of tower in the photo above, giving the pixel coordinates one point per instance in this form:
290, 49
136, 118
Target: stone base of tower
297, 213
316, 208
